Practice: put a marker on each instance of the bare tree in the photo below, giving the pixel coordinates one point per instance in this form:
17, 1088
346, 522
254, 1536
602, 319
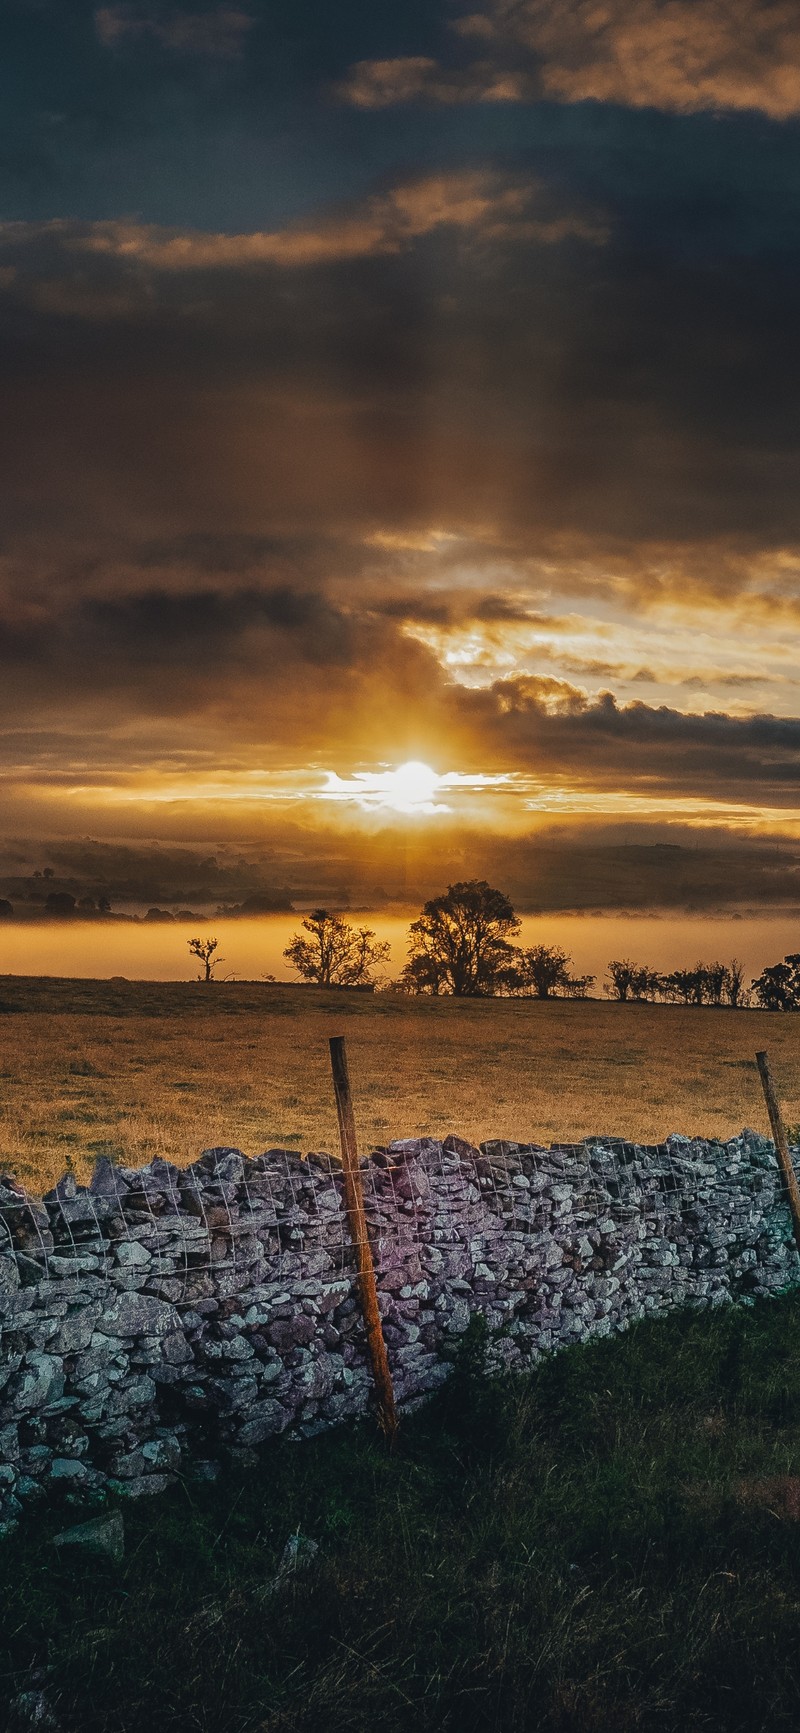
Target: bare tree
736, 992
204, 949
335, 953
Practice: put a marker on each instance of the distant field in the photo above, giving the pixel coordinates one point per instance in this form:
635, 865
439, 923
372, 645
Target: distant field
138, 1069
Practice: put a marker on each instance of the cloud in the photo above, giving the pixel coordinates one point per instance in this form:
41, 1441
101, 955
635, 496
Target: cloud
678, 55
373, 84
527, 441
166, 688
198, 679
483, 204
218, 34
672, 54
553, 730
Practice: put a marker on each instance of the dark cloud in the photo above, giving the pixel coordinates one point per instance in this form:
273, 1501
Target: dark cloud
532, 379
218, 32
552, 729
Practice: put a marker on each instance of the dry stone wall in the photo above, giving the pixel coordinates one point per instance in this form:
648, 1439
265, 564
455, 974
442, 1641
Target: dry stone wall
162, 1319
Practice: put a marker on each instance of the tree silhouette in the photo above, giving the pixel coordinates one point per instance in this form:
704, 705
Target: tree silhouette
734, 983
204, 949
423, 974
542, 971
335, 953
627, 980
461, 942
777, 988
623, 979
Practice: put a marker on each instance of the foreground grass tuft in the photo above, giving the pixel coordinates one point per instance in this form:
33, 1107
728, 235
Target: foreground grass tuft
610, 1543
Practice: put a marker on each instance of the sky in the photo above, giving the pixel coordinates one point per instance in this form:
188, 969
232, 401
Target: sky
388, 384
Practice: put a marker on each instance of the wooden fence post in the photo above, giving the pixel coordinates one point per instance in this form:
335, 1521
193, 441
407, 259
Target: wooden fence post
781, 1141
356, 1215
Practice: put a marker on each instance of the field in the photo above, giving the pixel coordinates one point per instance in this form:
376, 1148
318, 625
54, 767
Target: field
610, 1543
137, 1069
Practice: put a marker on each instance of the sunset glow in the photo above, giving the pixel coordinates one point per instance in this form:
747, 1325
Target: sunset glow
425, 469
411, 790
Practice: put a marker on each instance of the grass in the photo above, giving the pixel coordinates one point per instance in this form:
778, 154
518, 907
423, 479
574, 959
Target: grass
138, 1069
611, 1542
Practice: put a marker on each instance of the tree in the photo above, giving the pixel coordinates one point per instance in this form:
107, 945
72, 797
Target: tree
735, 989
577, 986
777, 988
629, 980
461, 942
646, 983
204, 949
682, 984
423, 974
335, 953
542, 971
716, 975
705, 984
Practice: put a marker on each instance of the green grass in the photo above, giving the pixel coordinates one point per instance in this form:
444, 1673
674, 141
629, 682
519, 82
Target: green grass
611, 1543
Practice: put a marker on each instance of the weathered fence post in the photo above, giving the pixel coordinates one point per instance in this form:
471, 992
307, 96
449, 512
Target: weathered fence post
781, 1141
356, 1215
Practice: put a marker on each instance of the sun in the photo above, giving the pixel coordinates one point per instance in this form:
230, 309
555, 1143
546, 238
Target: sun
411, 787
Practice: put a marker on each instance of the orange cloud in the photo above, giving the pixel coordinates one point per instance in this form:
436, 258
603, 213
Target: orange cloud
671, 54
477, 202
679, 55
411, 78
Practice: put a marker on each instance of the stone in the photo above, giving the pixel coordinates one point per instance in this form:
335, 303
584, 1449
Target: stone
147, 1486
131, 1253
298, 1555
103, 1534
135, 1314
9, 1275
67, 1468
175, 1349
42, 1380
75, 1331
291, 1333
266, 1419
132, 1393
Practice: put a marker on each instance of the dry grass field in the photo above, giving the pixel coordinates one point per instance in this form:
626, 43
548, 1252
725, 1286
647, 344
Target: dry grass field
137, 1069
